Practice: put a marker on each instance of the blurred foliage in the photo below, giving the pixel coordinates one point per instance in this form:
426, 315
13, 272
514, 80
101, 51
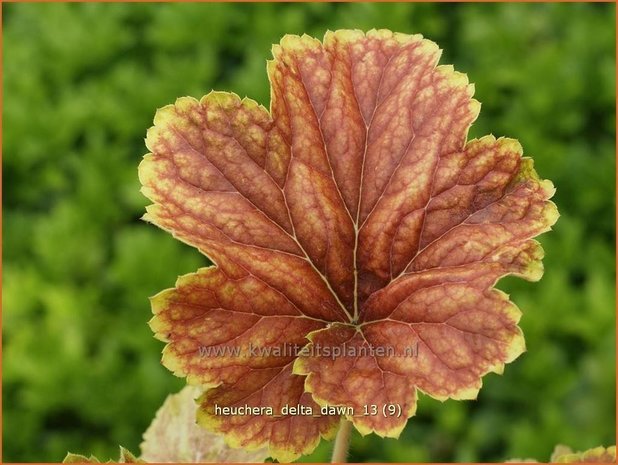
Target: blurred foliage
81, 84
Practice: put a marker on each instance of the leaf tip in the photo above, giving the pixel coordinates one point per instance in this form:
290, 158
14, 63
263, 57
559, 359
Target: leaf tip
78, 458
515, 348
164, 114
221, 98
533, 271
553, 214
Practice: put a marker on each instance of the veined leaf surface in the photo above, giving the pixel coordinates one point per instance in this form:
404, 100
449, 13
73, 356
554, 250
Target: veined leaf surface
352, 216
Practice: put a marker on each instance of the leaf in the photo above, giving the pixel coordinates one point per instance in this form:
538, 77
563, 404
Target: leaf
77, 458
564, 454
354, 215
125, 457
173, 436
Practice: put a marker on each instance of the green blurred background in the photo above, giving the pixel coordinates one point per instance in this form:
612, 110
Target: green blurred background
81, 369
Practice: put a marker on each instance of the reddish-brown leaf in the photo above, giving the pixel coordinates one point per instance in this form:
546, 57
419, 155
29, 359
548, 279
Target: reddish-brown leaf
353, 215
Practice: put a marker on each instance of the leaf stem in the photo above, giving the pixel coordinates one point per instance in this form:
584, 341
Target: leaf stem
342, 442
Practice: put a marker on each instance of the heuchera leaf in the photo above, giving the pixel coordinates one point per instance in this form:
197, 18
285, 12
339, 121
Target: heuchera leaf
354, 215
125, 457
173, 436
564, 454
